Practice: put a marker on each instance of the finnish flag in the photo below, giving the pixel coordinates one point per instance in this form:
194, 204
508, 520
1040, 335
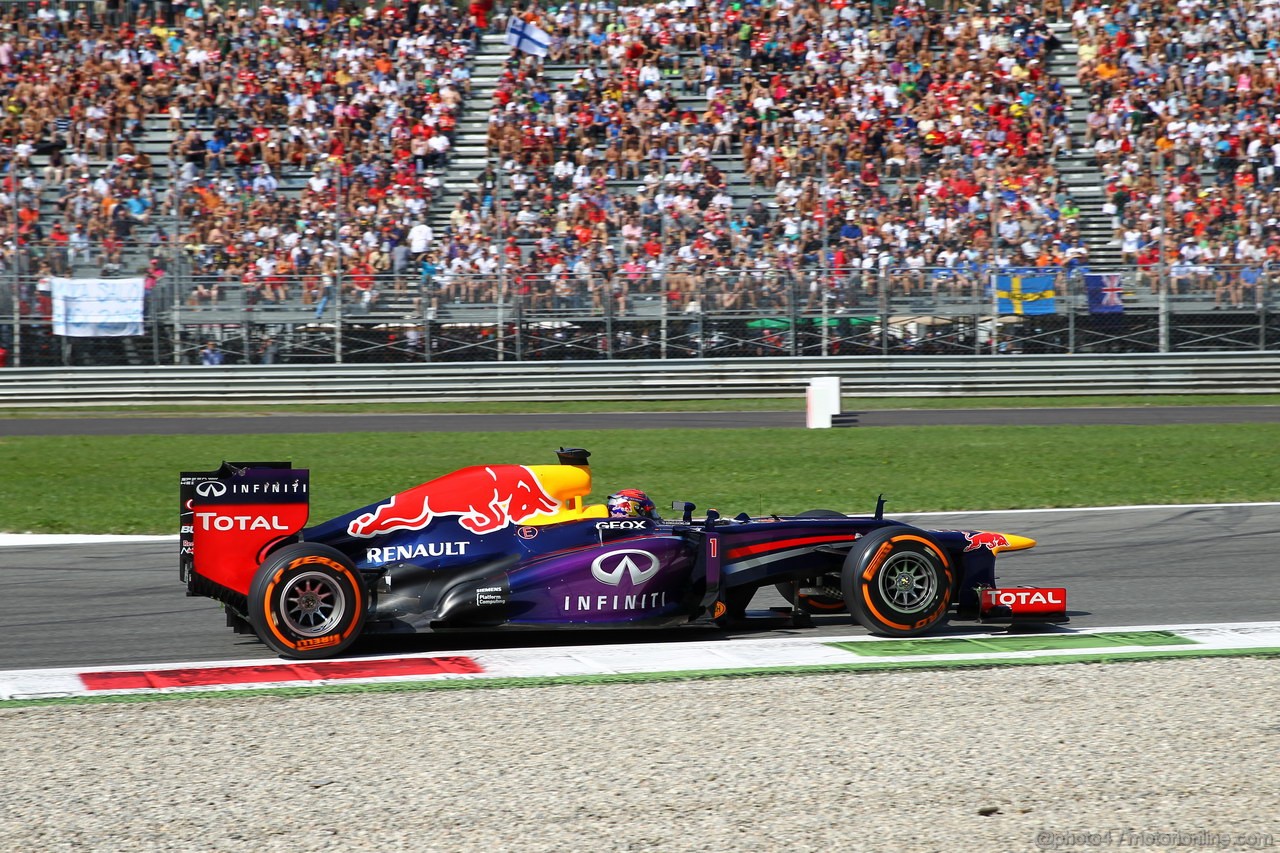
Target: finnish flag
527, 36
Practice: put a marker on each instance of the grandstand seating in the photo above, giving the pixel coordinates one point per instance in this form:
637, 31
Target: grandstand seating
848, 61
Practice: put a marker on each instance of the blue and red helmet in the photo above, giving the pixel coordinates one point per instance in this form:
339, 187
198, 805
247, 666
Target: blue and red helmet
631, 503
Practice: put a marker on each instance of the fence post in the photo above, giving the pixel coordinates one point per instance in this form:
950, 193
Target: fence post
177, 316
1261, 306
995, 312
15, 354
882, 286
826, 313
151, 300
608, 322
428, 320
176, 191
339, 295
518, 301
247, 313
701, 318
429, 293
15, 346
502, 335
1162, 313
664, 306
1068, 280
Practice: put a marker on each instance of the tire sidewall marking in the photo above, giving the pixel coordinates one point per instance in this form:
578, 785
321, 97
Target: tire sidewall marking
269, 593
873, 566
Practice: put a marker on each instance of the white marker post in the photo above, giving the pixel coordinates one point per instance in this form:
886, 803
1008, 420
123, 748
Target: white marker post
823, 401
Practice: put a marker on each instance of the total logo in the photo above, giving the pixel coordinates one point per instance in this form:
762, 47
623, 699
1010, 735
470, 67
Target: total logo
639, 565
1023, 597
217, 521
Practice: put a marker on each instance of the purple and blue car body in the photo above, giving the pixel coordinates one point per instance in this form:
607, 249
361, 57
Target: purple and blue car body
505, 547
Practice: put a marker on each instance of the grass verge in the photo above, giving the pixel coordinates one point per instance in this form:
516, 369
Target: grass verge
129, 484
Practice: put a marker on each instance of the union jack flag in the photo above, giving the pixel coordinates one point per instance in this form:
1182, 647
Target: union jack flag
1105, 292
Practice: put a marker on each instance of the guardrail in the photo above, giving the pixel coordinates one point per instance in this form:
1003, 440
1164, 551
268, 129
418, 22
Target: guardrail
904, 376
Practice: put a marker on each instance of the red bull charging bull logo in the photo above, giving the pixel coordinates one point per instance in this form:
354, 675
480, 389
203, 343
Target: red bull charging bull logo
484, 499
982, 539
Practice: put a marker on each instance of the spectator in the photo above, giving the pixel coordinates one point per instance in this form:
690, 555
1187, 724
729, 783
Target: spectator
913, 151
211, 355
268, 351
391, 76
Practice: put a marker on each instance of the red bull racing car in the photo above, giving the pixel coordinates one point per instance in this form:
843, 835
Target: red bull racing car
517, 546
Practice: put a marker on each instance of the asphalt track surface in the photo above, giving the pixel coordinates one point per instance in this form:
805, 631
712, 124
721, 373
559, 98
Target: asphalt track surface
273, 423
122, 603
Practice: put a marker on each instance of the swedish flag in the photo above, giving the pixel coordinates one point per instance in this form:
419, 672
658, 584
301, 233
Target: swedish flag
1025, 294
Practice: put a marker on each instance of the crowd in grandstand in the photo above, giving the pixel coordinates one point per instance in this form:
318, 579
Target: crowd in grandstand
1184, 122
873, 146
357, 102
705, 153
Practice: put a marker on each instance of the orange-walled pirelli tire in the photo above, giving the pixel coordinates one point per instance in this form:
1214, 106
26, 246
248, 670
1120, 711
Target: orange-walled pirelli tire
898, 581
307, 601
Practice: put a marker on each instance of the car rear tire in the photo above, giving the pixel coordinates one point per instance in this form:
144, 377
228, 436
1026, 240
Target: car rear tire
898, 581
307, 601
815, 605
820, 513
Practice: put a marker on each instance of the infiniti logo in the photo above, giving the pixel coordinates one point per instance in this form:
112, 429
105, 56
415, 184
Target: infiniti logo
211, 489
609, 568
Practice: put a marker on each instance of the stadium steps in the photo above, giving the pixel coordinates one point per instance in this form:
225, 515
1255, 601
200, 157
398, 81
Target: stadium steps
471, 135
1078, 171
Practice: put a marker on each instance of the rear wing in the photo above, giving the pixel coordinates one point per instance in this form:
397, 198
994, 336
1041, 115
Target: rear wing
231, 517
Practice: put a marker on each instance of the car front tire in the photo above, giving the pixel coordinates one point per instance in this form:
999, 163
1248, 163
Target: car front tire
898, 581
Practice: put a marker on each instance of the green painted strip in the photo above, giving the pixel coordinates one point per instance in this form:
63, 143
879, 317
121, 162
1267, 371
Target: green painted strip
646, 677
1015, 643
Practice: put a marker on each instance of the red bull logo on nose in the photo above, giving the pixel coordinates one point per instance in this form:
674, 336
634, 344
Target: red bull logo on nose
484, 499
982, 539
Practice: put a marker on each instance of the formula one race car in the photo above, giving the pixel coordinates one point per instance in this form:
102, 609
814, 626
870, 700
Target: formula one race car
515, 546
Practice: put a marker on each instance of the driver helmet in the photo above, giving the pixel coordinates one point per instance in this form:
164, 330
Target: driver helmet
631, 503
